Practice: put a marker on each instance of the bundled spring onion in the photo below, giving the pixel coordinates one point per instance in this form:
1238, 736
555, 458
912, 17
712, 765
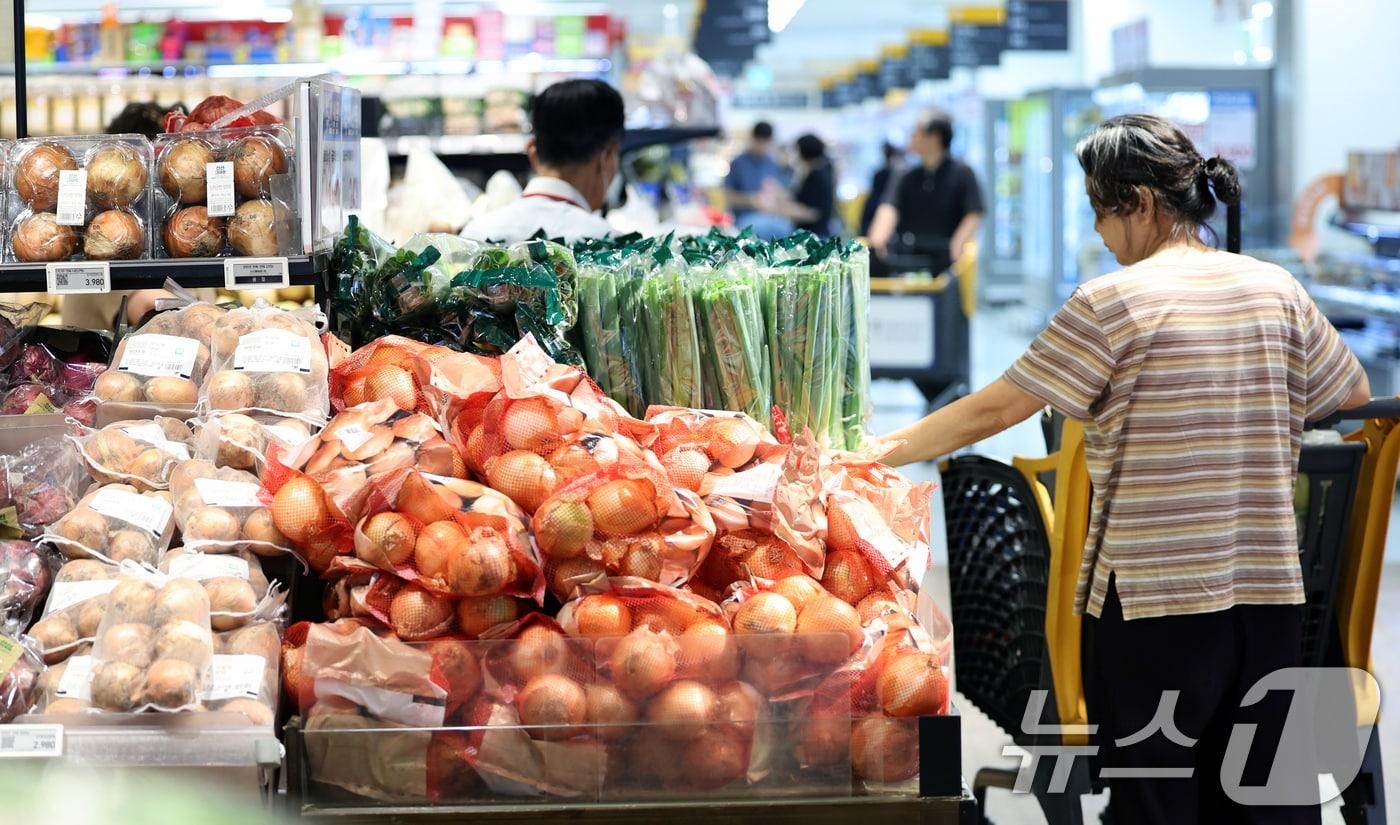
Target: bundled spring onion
608, 301
734, 351
671, 374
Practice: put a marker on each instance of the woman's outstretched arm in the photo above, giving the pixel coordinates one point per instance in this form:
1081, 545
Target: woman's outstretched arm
970, 419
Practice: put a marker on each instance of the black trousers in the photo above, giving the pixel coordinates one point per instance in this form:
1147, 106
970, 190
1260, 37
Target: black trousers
1212, 659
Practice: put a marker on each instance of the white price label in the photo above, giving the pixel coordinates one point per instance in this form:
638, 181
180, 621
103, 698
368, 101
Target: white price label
202, 567
147, 512
256, 273
72, 197
66, 594
218, 179
756, 484
79, 277
289, 436
234, 676
273, 350
77, 675
353, 436
151, 433
31, 741
218, 493
154, 354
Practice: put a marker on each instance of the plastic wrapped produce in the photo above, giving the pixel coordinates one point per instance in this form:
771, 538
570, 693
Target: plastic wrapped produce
733, 347
243, 674
24, 581
164, 361
219, 510
267, 360
244, 442
875, 513
154, 645
451, 536
115, 522
20, 671
15, 321
609, 323
74, 608
139, 453
239, 592
40, 484
672, 371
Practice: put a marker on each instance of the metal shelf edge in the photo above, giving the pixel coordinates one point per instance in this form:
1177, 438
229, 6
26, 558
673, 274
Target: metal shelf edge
303, 270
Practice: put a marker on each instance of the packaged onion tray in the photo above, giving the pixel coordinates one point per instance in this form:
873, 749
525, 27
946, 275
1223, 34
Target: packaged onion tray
164, 361
626, 520
139, 453
220, 510
244, 442
449, 535
74, 608
116, 523
226, 192
267, 360
239, 592
154, 645
79, 198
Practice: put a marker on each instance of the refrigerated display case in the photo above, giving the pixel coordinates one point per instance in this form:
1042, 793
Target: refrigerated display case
1004, 220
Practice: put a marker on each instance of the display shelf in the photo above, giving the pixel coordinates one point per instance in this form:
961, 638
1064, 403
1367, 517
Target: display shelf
634, 139
1363, 301
345, 67
170, 740
302, 270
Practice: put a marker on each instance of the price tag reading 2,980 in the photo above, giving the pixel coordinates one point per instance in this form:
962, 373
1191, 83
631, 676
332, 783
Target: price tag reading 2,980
79, 277
255, 273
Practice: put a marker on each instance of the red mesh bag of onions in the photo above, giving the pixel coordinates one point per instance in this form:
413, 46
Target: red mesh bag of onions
625, 520
693, 443
451, 536
540, 403
416, 614
385, 368
875, 512
456, 388
530, 479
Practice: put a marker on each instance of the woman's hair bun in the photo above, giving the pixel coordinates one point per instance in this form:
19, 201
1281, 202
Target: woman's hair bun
1224, 179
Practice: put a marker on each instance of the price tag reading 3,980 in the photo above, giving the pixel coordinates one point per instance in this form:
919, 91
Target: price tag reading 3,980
256, 273
79, 277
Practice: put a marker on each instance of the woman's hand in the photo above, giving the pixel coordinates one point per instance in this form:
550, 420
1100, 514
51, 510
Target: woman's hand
970, 419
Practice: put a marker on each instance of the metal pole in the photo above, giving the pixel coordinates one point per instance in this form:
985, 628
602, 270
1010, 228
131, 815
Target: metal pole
21, 89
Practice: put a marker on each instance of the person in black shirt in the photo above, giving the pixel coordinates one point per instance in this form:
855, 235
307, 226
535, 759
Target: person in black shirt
815, 192
930, 212
879, 183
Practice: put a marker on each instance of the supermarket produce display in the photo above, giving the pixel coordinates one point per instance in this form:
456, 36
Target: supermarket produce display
518, 588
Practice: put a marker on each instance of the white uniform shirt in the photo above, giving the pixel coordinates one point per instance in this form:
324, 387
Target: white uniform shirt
547, 203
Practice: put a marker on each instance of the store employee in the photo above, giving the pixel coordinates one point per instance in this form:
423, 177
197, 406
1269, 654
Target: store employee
575, 151
929, 212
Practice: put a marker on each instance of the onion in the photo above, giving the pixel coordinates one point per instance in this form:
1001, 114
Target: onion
391, 534
171, 684
537, 651
913, 684
732, 442
415, 614
191, 233
554, 706
114, 235
531, 424
623, 507
36, 175
714, 760
799, 590
643, 663
476, 616
602, 615
884, 749
848, 576
482, 567
611, 713
184, 170
761, 617
829, 630
118, 386
255, 160
523, 476
563, 528
683, 710
458, 667
299, 509
115, 686
252, 230
39, 237
708, 651
171, 389
824, 741
116, 176
686, 468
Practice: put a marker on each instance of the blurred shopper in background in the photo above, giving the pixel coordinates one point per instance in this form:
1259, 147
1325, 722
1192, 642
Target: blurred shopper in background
814, 192
930, 212
756, 183
893, 165
575, 149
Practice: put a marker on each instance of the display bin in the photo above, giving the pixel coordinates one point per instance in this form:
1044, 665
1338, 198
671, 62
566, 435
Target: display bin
359, 751
221, 749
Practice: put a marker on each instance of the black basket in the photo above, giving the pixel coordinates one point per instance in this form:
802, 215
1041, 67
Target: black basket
1331, 472
998, 571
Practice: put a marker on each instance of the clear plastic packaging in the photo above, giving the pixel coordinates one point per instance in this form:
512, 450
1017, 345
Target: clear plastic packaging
226, 192
116, 523
139, 453
218, 510
244, 442
99, 210
15, 323
243, 675
40, 484
164, 361
154, 646
19, 682
74, 609
267, 360
24, 581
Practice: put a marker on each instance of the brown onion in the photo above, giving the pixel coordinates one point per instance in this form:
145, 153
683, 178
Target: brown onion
114, 235
191, 233
116, 176
183, 170
251, 230
39, 237
36, 175
255, 160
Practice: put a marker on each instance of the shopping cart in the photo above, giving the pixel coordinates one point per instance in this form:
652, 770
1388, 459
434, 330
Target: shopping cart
1014, 546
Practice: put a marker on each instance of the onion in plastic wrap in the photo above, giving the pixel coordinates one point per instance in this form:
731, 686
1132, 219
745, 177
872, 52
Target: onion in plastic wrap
42, 482
18, 683
26, 579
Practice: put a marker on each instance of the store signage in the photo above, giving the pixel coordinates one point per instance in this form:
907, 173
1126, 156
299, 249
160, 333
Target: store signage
255, 273
977, 35
78, 277
895, 71
729, 31
770, 99
868, 77
1037, 25
31, 741
928, 55
901, 331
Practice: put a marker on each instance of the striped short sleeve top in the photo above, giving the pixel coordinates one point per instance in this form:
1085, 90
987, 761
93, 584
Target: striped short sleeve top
1193, 378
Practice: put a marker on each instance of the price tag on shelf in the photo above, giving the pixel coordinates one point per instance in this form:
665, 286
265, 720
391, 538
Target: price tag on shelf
31, 741
78, 277
256, 273
72, 197
218, 180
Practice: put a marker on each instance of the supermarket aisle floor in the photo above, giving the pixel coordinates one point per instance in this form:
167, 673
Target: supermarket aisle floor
998, 337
